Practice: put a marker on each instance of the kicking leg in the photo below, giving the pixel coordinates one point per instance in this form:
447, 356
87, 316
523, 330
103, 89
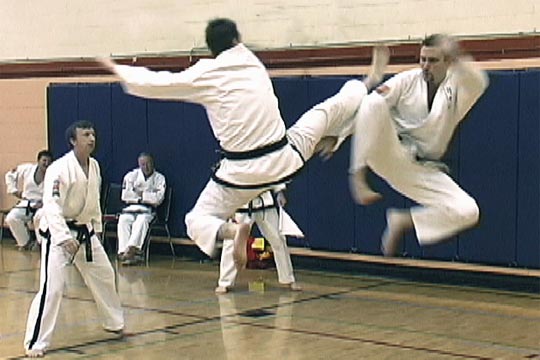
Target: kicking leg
360, 189
397, 223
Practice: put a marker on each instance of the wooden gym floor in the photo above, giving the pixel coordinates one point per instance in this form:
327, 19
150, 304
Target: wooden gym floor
172, 313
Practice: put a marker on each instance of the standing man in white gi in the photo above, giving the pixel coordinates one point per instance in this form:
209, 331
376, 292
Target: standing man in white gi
70, 226
243, 111
263, 211
403, 129
25, 182
143, 189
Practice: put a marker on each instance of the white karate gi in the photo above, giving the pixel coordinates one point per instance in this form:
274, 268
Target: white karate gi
263, 212
22, 177
399, 107
143, 196
243, 112
71, 196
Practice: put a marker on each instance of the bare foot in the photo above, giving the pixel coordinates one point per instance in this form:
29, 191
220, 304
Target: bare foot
220, 290
379, 61
397, 222
361, 191
240, 245
35, 353
119, 333
294, 287
325, 147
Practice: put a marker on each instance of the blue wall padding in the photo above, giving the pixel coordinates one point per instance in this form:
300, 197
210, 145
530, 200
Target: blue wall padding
95, 105
328, 227
128, 121
370, 221
488, 171
293, 102
495, 157
62, 104
528, 189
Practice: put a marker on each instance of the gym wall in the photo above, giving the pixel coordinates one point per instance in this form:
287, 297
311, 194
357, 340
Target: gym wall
495, 157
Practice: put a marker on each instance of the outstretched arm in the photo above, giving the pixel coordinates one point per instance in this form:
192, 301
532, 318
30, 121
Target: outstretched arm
140, 81
330, 144
379, 61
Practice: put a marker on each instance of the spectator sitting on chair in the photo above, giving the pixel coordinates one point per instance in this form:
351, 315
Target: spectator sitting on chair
25, 182
143, 189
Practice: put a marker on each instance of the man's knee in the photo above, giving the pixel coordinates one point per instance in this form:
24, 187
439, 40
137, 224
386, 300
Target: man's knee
10, 217
124, 219
374, 104
467, 212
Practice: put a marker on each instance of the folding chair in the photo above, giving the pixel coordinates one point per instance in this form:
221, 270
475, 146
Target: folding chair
3, 214
160, 222
112, 207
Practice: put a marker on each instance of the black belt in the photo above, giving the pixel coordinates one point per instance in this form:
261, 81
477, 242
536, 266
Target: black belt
29, 209
255, 153
83, 236
250, 209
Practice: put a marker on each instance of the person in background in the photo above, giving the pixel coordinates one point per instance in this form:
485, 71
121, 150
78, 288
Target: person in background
25, 182
143, 190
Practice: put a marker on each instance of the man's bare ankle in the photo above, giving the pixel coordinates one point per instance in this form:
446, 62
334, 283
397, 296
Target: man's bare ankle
227, 231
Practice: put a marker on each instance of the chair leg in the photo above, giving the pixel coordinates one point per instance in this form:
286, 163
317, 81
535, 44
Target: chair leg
2, 226
170, 240
104, 238
147, 241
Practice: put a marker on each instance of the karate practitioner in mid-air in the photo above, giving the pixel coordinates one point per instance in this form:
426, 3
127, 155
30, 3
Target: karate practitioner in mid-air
259, 152
402, 130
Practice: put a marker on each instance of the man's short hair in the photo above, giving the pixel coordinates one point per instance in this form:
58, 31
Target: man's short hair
146, 154
71, 131
44, 153
221, 35
434, 40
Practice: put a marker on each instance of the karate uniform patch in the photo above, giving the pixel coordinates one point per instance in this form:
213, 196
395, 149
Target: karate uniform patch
56, 188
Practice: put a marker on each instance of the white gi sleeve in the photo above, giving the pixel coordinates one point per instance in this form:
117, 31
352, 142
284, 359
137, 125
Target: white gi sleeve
155, 195
55, 192
471, 83
392, 89
11, 178
140, 81
129, 195
96, 208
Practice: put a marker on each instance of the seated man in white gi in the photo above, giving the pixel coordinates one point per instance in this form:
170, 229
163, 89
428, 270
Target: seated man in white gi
143, 189
25, 182
263, 210
403, 129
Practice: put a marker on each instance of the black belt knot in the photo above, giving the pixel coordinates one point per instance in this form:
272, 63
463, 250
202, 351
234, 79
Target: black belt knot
83, 236
29, 209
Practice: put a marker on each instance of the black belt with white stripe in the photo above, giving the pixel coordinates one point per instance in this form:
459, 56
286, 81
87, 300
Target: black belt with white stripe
83, 236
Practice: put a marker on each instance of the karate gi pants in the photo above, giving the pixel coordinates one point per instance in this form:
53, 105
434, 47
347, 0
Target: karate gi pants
98, 276
445, 208
268, 222
18, 220
132, 230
